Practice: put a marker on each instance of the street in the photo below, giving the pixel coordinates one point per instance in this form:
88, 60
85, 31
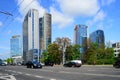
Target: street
85, 72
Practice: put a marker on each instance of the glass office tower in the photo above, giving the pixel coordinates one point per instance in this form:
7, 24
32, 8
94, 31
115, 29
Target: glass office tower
80, 35
97, 37
45, 31
31, 35
16, 46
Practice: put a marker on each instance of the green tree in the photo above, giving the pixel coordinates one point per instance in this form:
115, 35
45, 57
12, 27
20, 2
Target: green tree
91, 54
53, 54
72, 52
10, 61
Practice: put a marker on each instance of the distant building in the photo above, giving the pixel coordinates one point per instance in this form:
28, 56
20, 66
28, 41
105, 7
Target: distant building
116, 47
16, 48
97, 37
80, 36
31, 34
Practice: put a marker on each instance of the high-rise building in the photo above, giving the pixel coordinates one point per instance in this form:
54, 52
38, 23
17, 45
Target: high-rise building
45, 31
80, 36
97, 37
36, 34
31, 35
16, 48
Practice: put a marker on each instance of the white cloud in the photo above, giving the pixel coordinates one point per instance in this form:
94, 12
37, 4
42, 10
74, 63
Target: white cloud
20, 19
79, 7
107, 2
98, 18
29, 4
1, 24
59, 18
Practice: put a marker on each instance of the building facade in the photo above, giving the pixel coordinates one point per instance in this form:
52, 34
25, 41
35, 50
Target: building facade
36, 34
116, 47
80, 36
16, 48
97, 37
31, 34
45, 31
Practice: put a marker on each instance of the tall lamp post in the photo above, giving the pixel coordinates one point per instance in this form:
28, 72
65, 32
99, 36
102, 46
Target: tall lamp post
63, 52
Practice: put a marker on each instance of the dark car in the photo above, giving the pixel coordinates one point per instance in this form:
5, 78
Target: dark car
33, 64
2, 64
48, 63
117, 64
73, 63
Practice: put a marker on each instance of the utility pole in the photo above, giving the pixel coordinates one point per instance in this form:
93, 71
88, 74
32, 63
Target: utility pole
7, 13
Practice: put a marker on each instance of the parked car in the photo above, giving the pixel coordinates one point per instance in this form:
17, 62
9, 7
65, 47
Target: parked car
43, 64
48, 63
3, 64
33, 64
73, 63
117, 64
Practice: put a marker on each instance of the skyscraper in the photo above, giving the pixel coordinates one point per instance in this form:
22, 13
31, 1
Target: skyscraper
16, 49
80, 35
36, 34
16, 46
31, 35
45, 31
97, 37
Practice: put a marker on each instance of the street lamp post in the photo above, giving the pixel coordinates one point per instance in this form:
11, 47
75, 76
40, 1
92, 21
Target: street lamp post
63, 52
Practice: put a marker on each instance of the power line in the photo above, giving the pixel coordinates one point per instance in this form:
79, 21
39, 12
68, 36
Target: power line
17, 15
13, 11
7, 13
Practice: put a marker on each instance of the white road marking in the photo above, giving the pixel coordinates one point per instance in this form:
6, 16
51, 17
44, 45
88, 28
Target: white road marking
14, 71
39, 76
19, 72
52, 79
28, 74
92, 74
7, 77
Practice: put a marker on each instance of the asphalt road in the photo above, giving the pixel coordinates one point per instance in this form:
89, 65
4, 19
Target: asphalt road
59, 73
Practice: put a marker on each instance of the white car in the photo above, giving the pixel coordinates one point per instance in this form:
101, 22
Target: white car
73, 63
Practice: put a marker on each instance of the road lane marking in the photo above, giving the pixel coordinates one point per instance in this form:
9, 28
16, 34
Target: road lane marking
52, 79
39, 76
92, 74
19, 72
28, 74
7, 77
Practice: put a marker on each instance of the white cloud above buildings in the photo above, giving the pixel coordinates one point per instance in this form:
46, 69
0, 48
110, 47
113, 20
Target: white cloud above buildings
107, 2
70, 9
79, 7
100, 16
1, 24
60, 19
64, 12
26, 5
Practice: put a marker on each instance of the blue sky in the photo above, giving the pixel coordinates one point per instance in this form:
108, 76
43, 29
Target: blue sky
96, 14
